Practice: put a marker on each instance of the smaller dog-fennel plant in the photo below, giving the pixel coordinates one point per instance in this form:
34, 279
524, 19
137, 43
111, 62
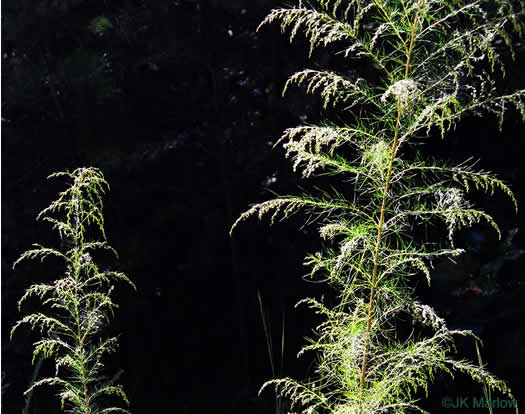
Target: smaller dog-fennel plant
76, 307
416, 68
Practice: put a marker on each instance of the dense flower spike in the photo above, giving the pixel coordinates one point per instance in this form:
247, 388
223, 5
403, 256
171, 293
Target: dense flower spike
431, 62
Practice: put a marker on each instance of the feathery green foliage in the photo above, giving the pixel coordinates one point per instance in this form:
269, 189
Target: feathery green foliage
78, 306
430, 62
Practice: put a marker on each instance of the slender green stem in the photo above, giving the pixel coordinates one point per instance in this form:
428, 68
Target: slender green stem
393, 152
389, 19
79, 338
412, 40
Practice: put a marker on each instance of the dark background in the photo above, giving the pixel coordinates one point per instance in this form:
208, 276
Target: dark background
179, 104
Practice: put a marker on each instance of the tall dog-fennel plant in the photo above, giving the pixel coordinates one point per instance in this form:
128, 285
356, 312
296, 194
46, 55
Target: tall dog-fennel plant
77, 306
429, 63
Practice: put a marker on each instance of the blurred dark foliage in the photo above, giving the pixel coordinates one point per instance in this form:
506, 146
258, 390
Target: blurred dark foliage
179, 103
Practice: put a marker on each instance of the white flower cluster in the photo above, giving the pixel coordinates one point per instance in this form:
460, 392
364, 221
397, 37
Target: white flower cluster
85, 259
329, 231
427, 315
346, 409
377, 155
404, 91
346, 250
451, 198
313, 139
